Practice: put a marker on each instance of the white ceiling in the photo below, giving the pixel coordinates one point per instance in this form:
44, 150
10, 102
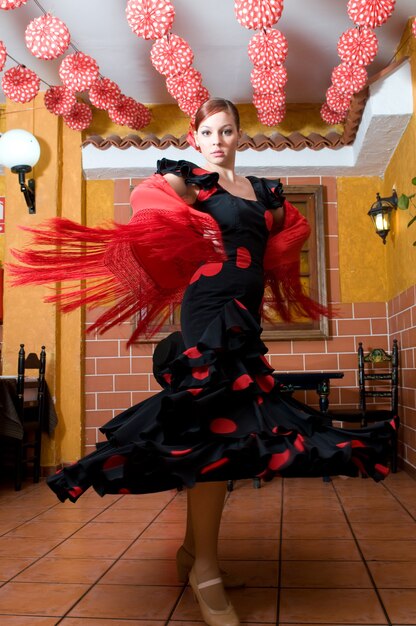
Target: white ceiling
219, 42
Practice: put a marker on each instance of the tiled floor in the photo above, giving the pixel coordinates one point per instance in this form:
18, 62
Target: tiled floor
338, 553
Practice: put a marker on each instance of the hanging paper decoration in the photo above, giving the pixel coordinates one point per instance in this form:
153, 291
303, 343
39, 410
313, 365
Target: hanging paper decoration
7, 5
332, 117
268, 48
256, 14
358, 46
186, 85
349, 78
370, 13
142, 117
171, 55
79, 117
191, 105
104, 93
338, 101
20, 84
272, 117
59, 100
127, 111
3, 55
150, 19
414, 27
78, 71
269, 101
268, 79
47, 37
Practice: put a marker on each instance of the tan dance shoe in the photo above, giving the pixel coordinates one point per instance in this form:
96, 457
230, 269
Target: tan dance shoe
226, 617
184, 564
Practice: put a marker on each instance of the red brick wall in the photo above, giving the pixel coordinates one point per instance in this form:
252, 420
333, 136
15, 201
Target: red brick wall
116, 378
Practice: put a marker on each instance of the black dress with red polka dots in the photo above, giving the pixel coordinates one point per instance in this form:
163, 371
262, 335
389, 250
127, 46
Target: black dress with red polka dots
221, 414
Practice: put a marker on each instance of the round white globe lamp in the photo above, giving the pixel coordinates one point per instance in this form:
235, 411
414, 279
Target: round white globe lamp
20, 151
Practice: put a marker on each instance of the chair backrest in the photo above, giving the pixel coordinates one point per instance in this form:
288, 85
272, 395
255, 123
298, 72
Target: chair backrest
378, 375
31, 362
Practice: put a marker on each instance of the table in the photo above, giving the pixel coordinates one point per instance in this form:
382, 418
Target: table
295, 381
10, 424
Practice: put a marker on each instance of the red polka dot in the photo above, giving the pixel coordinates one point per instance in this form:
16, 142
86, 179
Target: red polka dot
215, 465
243, 260
124, 490
200, 372
242, 382
299, 443
259, 400
209, 269
240, 304
167, 378
355, 443
195, 391
236, 329
265, 361
393, 424
114, 461
382, 469
269, 220
223, 426
278, 460
343, 444
75, 492
193, 352
181, 452
265, 382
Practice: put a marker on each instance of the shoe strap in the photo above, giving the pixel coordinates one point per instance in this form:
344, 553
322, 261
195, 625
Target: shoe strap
210, 583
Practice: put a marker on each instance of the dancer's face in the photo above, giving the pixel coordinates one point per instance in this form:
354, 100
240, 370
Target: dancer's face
217, 137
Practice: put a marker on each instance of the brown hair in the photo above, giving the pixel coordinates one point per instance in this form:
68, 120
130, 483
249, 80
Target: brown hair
216, 105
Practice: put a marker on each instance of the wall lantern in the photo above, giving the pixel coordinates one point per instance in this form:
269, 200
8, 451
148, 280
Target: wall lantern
380, 213
20, 151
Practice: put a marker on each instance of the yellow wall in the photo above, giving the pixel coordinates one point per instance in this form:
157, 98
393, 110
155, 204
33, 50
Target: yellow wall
369, 270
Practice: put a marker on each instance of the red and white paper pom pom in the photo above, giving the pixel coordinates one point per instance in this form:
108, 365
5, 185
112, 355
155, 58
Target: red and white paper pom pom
256, 14
3, 55
7, 5
150, 19
338, 101
370, 13
124, 111
79, 117
267, 102
358, 46
414, 27
349, 78
191, 105
20, 84
332, 117
273, 117
142, 117
267, 48
47, 37
266, 79
78, 71
104, 93
184, 86
59, 100
171, 55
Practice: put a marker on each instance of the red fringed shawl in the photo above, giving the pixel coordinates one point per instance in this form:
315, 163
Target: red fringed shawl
138, 269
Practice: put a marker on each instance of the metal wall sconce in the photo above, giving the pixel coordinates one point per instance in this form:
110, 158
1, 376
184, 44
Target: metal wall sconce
20, 151
380, 214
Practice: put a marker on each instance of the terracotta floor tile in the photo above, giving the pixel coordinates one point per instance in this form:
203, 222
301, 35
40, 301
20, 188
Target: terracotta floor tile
238, 530
129, 602
152, 549
394, 517
146, 501
330, 606
82, 621
248, 549
40, 529
39, 598
393, 575
319, 550
65, 571
126, 516
161, 572
325, 574
381, 530
99, 548
252, 605
172, 515
10, 566
251, 515
255, 573
400, 605
379, 550
116, 530
28, 620
21, 546
316, 531
313, 516
317, 504
65, 514
171, 530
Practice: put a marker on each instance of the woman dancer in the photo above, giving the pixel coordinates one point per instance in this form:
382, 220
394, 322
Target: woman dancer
214, 238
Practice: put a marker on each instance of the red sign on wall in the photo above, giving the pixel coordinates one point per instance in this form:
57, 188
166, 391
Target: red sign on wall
2, 207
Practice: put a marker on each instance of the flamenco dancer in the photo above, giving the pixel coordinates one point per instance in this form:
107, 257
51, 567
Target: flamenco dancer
213, 240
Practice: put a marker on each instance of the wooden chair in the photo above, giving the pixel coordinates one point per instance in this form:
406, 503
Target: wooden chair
31, 410
378, 381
